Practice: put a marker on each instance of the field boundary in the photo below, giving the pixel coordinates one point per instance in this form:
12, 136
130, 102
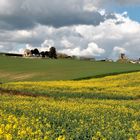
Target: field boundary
104, 75
34, 94
22, 93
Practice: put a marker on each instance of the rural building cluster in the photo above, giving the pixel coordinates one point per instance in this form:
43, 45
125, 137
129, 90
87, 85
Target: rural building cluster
124, 59
53, 54
35, 53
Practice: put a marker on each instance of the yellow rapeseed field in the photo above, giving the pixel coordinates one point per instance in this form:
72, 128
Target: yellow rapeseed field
97, 109
123, 86
23, 117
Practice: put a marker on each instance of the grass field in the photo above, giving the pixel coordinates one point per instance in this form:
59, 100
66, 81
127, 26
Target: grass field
106, 108
21, 69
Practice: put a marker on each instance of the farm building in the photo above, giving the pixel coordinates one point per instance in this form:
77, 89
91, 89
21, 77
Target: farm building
27, 53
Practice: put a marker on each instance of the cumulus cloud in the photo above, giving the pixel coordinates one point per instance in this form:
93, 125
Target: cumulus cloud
19, 14
92, 50
75, 27
106, 40
66, 43
119, 50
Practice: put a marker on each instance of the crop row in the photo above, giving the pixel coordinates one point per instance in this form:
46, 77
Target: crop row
23, 117
123, 86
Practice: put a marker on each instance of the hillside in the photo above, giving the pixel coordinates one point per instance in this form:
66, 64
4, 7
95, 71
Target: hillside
119, 87
21, 69
105, 108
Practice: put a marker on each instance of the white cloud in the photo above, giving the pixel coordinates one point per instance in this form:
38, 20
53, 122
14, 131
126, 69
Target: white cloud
119, 50
115, 54
29, 46
1, 47
47, 43
66, 43
102, 12
87, 40
91, 50
24, 33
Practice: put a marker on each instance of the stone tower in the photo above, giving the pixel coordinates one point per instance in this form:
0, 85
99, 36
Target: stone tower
122, 56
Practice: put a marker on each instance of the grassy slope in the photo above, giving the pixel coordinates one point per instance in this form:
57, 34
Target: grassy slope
20, 69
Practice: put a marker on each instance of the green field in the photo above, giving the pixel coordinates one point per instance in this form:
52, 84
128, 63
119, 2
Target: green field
21, 69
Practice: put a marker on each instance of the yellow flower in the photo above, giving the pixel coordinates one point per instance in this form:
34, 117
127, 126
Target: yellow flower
22, 133
1, 131
138, 137
8, 127
136, 126
62, 137
8, 136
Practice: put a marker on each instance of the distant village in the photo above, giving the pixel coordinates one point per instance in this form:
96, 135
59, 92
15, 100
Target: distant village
52, 54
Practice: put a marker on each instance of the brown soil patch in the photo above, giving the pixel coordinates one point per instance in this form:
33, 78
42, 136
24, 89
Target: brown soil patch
16, 76
21, 93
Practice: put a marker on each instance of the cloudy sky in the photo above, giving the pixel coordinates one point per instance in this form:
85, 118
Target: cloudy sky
91, 28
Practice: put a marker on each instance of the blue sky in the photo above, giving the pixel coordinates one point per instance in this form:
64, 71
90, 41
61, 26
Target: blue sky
133, 11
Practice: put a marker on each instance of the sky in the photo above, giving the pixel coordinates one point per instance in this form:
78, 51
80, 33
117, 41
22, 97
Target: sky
90, 28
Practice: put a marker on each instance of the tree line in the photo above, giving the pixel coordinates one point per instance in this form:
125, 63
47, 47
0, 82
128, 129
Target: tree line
51, 53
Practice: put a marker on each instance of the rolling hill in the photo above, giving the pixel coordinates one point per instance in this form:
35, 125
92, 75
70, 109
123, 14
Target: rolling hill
21, 69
